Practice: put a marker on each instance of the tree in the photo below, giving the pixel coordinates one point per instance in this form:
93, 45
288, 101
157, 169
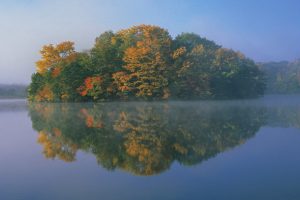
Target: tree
37, 82
147, 59
106, 57
53, 56
45, 85
282, 77
72, 77
193, 57
235, 76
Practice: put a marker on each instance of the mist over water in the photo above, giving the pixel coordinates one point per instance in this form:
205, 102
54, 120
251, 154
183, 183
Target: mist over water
166, 150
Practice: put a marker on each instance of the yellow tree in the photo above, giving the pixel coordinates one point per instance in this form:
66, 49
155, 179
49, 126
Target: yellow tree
54, 56
45, 86
146, 55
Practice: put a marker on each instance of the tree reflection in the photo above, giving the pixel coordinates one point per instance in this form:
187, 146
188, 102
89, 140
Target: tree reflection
143, 138
284, 116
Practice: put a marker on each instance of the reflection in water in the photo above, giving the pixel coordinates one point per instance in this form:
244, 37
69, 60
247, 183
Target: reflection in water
144, 138
284, 116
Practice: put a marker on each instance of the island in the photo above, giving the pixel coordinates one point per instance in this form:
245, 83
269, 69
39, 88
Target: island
144, 63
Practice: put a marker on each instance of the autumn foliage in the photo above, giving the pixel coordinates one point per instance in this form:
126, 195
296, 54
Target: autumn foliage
53, 57
91, 86
144, 63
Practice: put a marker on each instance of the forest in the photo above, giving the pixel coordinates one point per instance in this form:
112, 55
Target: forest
12, 91
282, 77
144, 63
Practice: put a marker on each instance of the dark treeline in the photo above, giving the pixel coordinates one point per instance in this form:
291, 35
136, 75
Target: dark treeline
282, 77
13, 91
144, 63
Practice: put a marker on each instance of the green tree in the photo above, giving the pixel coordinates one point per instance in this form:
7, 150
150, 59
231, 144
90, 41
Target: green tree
193, 57
235, 76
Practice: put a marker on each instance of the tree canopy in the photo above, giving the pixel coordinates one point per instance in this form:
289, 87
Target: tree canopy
144, 63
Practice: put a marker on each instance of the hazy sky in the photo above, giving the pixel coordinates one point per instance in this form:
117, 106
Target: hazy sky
263, 30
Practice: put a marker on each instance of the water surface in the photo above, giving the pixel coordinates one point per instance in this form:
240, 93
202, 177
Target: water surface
246, 149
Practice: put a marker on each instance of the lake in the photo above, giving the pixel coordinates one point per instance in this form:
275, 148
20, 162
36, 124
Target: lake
245, 149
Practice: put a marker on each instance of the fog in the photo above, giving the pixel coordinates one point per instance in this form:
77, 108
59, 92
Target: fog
261, 30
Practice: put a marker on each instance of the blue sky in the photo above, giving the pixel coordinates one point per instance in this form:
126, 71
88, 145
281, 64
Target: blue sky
264, 30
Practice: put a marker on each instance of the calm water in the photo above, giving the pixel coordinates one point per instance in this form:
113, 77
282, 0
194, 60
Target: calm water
176, 150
